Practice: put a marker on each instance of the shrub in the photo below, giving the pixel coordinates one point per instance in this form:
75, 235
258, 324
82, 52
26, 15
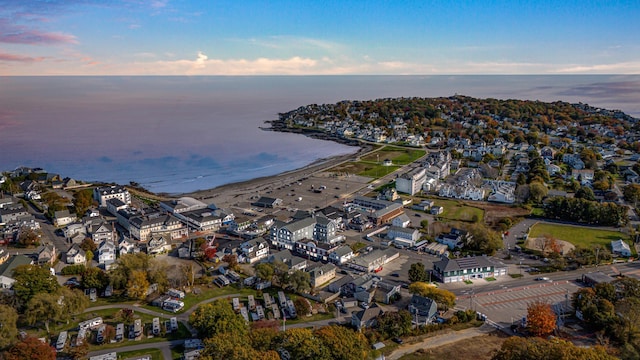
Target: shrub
72, 270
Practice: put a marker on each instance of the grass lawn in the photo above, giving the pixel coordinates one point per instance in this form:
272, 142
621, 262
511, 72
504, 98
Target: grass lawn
397, 155
458, 211
577, 235
364, 168
205, 293
154, 353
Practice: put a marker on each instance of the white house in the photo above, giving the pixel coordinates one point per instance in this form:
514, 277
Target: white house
341, 255
403, 236
254, 250
401, 221
106, 253
620, 248
75, 255
63, 217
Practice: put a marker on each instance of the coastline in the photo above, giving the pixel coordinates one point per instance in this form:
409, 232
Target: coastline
225, 195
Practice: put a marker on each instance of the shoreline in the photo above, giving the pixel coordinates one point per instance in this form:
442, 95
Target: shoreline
224, 195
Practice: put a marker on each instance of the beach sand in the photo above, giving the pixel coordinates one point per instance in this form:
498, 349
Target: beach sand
225, 195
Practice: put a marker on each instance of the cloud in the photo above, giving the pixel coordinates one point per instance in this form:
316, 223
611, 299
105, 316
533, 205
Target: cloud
19, 58
631, 67
19, 34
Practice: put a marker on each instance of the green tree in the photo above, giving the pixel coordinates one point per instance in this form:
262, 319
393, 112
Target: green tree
628, 287
264, 271
537, 192
216, 318
82, 201
32, 280
281, 271
94, 278
43, 307
31, 348
631, 193
227, 346
303, 344
343, 343
627, 328
484, 239
394, 323
417, 272
585, 192
8, 326
299, 280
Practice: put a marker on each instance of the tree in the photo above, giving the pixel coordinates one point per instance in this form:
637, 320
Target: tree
443, 298
231, 260
281, 271
300, 281
302, 344
28, 237
484, 239
94, 278
417, 272
343, 343
8, 326
264, 271
628, 327
227, 346
157, 273
586, 193
31, 348
32, 280
79, 351
541, 320
88, 245
628, 287
216, 318
73, 302
137, 285
188, 272
302, 305
42, 307
631, 193
82, 201
394, 323
537, 192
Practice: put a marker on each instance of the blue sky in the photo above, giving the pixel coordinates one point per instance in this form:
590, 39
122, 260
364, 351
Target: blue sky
209, 37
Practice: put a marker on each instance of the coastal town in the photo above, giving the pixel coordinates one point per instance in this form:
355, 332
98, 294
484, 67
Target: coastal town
459, 218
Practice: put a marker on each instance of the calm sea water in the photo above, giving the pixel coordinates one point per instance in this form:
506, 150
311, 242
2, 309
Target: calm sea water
180, 134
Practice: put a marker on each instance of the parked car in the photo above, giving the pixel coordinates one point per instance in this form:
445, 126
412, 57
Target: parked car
542, 279
397, 340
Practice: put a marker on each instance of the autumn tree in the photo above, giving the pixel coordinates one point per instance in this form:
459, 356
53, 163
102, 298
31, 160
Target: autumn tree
231, 260
394, 323
541, 320
31, 348
28, 237
31, 280
302, 305
188, 272
82, 201
417, 272
548, 244
59, 306
154, 270
137, 285
444, 298
343, 343
8, 327
88, 245
80, 351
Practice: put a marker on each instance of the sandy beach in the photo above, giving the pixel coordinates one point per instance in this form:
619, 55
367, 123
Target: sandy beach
225, 195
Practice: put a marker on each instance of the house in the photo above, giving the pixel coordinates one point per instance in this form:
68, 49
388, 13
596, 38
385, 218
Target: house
158, 244
75, 255
366, 318
620, 248
46, 254
584, 176
456, 238
341, 255
114, 205
127, 246
284, 235
142, 227
320, 275
267, 202
403, 236
467, 268
12, 212
401, 221
101, 231
6, 270
373, 260
293, 262
437, 210
106, 253
423, 309
254, 250
314, 250
63, 218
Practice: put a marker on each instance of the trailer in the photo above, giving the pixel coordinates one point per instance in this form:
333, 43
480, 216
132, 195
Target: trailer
236, 304
252, 303
62, 341
119, 332
156, 326
282, 299
137, 328
174, 324
267, 300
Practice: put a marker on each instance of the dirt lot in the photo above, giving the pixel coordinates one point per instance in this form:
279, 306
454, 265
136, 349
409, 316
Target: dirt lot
480, 348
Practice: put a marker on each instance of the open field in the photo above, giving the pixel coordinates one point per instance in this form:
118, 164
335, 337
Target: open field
364, 168
397, 155
577, 235
481, 348
458, 211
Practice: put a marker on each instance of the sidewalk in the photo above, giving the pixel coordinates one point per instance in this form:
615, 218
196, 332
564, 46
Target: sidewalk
439, 340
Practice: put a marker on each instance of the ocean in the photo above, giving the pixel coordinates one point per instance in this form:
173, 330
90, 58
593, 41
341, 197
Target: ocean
181, 134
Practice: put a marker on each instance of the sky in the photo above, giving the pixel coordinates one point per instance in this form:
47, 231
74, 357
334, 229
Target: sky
323, 37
